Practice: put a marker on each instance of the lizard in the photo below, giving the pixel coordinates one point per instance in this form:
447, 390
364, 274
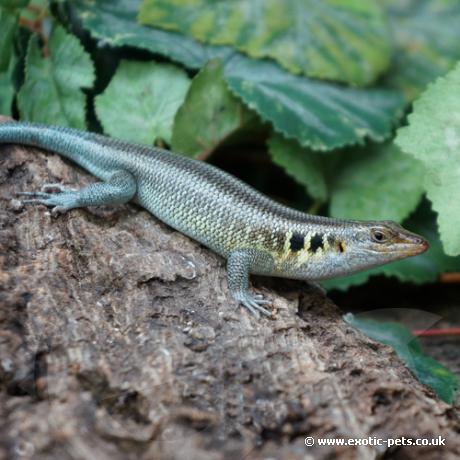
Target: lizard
255, 234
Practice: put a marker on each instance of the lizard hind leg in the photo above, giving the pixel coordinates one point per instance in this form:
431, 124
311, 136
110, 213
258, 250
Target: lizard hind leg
120, 188
239, 265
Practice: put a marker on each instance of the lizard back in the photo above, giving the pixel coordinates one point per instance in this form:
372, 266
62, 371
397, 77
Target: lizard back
196, 198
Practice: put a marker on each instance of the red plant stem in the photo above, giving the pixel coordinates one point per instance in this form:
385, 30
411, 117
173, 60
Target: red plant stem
437, 332
452, 277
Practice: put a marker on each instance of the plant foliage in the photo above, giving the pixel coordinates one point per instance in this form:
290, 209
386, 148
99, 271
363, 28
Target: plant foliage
52, 90
302, 35
428, 371
141, 101
433, 137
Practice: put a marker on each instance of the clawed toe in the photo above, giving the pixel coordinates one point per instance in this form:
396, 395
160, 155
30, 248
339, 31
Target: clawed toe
36, 194
254, 303
60, 202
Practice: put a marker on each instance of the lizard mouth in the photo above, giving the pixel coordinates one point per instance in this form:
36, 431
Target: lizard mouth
412, 244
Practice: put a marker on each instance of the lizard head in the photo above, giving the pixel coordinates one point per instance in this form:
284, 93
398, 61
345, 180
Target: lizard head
346, 247
378, 242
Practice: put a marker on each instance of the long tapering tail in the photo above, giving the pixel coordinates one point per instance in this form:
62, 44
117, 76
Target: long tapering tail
81, 147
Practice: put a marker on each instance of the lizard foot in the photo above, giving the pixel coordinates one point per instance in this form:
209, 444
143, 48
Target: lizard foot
253, 303
60, 202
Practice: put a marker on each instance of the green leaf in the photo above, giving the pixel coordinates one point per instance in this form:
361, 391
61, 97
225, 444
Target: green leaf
304, 166
428, 371
421, 269
433, 136
209, 115
319, 114
13, 4
6, 93
7, 89
377, 183
52, 89
36, 11
427, 37
363, 183
141, 101
114, 23
346, 41
8, 27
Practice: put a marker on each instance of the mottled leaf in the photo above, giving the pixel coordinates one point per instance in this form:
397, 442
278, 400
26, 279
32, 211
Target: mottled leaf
433, 136
319, 114
52, 92
114, 23
347, 40
427, 37
378, 183
423, 268
141, 101
209, 115
305, 166
428, 371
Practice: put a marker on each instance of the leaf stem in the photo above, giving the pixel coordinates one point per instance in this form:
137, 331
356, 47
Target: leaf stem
437, 332
453, 277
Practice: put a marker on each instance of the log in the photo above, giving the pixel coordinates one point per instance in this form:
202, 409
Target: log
118, 340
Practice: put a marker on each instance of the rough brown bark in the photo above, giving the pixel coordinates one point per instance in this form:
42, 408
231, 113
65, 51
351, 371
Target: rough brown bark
118, 341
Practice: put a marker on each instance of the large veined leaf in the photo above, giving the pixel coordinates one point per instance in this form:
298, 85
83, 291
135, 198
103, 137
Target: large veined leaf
426, 369
347, 40
114, 23
209, 115
423, 268
378, 183
433, 136
141, 101
363, 183
318, 114
427, 37
52, 92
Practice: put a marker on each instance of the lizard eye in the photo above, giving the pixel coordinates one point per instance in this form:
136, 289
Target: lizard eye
378, 236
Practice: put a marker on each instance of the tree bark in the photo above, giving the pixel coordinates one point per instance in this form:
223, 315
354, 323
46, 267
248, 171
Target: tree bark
118, 340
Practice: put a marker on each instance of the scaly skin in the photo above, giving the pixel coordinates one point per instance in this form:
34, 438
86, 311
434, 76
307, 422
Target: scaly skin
254, 233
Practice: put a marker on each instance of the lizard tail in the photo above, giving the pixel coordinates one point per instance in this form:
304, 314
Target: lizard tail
70, 143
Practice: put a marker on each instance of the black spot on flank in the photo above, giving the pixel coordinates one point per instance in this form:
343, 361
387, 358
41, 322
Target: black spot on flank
316, 242
341, 247
297, 242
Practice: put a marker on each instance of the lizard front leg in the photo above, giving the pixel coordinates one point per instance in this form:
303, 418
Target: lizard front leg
120, 188
239, 264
